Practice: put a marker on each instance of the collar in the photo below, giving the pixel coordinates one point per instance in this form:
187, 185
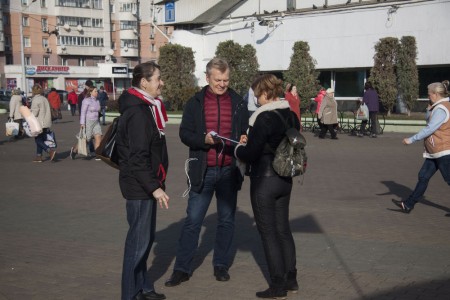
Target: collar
281, 104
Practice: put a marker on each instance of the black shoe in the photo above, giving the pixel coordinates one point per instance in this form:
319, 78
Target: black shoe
177, 278
221, 274
402, 206
291, 282
152, 296
272, 293
321, 137
334, 138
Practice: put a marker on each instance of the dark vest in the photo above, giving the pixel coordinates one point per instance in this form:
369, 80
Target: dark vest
218, 116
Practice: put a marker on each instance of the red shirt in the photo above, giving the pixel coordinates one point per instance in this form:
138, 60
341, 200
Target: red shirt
294, 103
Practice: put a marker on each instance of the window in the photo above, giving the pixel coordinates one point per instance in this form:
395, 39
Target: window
46, 61
27, 60
82, 62
64, 61
131, 7
290, 5
112, 8
97, 4
97, 42
7, 43
152, 30
73, 21
74, 3
349, 83
124, 25
25, 21
129, 43
43, 3
97, 23
9, 60
25, 2
5, 20
44, 43
166, 30
113, 45
26, 41
152, 48
44, 24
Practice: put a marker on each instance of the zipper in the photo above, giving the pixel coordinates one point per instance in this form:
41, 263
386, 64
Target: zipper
218, 128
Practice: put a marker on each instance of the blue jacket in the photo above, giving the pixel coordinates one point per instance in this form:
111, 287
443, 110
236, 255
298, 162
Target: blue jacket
102, 98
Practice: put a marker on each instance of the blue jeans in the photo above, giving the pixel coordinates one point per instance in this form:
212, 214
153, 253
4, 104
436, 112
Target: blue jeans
223, 182
40, 142
103, 112
429, 167
141, 216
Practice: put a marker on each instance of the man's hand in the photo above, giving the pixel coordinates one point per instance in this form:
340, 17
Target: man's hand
243, 139
210, 140
161, 197
406, 141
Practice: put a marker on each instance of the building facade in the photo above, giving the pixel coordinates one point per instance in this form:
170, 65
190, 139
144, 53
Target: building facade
341, 34
62, 43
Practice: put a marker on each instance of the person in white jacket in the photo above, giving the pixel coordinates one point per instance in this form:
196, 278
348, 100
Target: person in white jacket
40, 107
14, 105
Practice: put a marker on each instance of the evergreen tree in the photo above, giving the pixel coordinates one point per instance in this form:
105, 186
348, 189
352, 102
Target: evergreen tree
243, 64
383, 74
177, 71
407, 74
302, 73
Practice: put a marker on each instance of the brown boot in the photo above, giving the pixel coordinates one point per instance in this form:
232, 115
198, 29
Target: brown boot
38, 159
52, 154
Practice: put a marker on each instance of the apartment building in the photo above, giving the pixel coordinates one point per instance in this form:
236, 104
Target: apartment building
341, 34
62, 43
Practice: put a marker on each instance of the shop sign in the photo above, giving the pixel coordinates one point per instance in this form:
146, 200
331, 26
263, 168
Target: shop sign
31, 70
170, 12
120, 70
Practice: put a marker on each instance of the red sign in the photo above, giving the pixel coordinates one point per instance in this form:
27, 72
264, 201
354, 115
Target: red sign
52, 70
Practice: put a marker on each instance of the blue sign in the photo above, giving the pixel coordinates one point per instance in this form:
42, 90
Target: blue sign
170, 12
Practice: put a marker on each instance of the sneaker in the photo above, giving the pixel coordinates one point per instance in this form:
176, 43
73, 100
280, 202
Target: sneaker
373, 136
405, 209
52, 154
72, 153
38, 159
360, 135
221, 274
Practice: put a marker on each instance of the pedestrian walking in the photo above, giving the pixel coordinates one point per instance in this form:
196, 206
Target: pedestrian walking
292, 97
72, 99
370, 99
103, 99
40, 108
436, 136
328, 115
14, 105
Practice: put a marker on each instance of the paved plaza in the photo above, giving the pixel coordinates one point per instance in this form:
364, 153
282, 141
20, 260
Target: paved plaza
63, 225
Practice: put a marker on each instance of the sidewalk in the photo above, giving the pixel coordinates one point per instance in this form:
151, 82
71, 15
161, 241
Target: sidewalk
63, 225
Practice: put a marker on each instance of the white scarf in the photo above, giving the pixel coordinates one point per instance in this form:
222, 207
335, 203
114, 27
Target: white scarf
281, 104
156, 108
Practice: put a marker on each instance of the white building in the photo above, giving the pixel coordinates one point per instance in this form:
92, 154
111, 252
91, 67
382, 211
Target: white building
341, 34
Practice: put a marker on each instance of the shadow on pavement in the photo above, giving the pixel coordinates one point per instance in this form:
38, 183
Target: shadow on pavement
434, 289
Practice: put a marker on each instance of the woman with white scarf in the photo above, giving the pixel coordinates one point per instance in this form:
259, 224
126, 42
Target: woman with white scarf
270, 194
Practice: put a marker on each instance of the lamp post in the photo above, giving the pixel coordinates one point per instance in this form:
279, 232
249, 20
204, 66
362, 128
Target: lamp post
24, 85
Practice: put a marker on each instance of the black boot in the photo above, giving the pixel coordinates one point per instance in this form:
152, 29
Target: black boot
275, 291
291, 282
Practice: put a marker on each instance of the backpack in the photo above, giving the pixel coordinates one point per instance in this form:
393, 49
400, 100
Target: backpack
290, 156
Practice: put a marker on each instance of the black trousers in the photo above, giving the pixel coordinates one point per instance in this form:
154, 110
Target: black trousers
325, 128
270, 197
373, 122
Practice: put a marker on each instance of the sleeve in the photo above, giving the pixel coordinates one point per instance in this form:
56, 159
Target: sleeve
84, 107
438, 118
11, 108
36, 106
140, 132
257, 138
190, 134
322, 107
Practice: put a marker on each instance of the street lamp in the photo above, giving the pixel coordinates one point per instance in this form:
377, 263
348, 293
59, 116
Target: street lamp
24, 86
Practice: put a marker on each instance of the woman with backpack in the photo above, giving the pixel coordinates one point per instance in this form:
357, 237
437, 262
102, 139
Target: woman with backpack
270, 193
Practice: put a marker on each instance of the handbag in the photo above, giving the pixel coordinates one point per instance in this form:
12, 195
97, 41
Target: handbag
82, 143
363, 112
56, 114
107, 151
50, 139
31, 124
12, 128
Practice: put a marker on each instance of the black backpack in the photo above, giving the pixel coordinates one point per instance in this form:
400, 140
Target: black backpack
290, 156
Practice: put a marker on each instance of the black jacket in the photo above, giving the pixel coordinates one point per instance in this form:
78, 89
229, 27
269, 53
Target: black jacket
263, 139
142, 151
193, 132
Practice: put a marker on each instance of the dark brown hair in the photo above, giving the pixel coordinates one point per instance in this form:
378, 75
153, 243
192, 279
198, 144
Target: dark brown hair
144, 70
